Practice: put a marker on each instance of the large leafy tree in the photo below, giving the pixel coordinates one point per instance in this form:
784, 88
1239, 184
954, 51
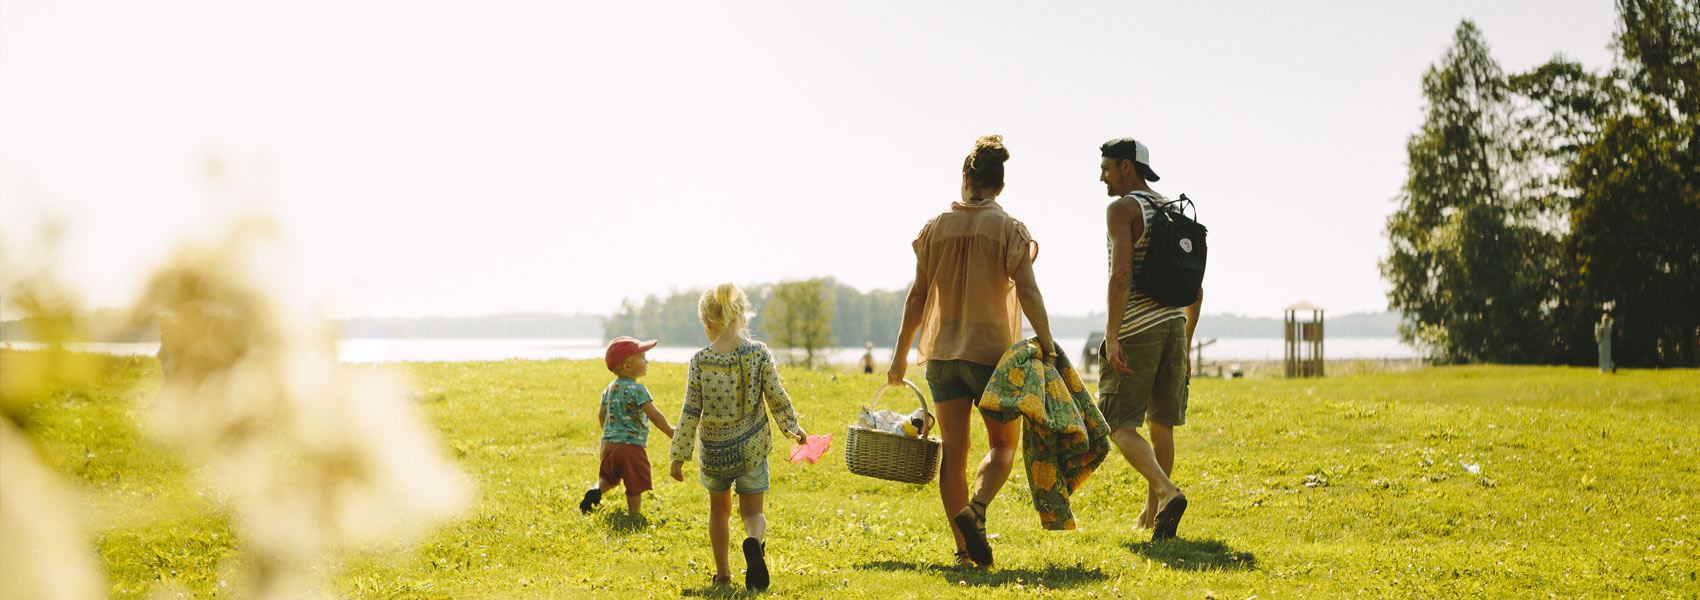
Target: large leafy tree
1560, 109
1636, 224
1472, 272
1539, 199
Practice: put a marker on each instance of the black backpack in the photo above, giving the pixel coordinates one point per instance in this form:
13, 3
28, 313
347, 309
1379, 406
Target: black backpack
1173, 270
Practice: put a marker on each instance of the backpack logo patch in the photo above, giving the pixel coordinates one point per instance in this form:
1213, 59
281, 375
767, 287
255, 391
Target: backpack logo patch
1186, 245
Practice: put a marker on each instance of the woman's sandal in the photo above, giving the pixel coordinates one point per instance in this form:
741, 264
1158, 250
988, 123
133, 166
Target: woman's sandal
962, 559
720, 580
971, 520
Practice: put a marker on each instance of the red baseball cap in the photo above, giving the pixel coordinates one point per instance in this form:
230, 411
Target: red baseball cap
624, 347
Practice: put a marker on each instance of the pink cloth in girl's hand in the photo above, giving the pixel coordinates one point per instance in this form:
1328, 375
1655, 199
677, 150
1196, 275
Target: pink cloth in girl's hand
812, 450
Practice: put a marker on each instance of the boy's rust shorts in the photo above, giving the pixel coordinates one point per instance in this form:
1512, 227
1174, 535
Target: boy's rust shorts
626, 463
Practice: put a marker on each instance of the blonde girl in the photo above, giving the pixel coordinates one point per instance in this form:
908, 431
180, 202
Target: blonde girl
728, 383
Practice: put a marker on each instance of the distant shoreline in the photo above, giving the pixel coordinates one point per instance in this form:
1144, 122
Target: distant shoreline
587, 326
389, 350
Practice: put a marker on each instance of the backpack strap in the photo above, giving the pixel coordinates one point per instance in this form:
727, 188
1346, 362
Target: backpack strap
1146, 200
1179, 205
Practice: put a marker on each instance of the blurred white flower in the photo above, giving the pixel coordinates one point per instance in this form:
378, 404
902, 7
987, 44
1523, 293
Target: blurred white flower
314, 456
43, 553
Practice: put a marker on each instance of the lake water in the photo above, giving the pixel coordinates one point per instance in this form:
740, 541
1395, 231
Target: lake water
485, 349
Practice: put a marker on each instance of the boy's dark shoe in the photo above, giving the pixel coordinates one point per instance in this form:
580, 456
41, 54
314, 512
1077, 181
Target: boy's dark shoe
755, 563
592, 499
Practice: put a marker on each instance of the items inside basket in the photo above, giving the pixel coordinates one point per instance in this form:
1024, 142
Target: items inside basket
916, 424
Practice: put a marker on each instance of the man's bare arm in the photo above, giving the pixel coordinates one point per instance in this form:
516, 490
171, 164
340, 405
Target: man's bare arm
1124, 228
1192, 316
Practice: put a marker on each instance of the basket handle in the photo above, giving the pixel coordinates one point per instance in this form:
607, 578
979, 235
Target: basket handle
918, 396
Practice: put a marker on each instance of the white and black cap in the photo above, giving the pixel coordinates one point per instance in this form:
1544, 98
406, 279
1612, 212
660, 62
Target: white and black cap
1131, 149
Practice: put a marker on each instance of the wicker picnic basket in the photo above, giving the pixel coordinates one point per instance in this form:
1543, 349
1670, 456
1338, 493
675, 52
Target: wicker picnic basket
890, 456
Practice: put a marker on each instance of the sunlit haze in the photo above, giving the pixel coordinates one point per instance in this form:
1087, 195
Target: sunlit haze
429, 159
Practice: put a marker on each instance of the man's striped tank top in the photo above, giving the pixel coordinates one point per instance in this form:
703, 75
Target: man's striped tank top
1142, 312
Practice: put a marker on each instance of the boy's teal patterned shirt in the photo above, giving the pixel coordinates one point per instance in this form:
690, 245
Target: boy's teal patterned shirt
627, 423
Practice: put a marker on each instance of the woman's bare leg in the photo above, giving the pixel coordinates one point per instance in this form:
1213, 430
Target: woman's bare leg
953, 465
1000, 459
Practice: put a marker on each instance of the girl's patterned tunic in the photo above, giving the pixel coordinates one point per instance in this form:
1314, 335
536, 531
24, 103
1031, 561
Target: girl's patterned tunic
724, 396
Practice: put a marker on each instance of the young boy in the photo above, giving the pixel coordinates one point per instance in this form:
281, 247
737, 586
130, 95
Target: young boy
625, 414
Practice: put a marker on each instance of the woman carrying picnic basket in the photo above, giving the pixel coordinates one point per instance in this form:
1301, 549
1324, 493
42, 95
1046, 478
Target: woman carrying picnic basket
973, 280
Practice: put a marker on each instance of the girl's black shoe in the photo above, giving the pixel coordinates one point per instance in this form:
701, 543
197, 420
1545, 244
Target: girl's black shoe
755, 563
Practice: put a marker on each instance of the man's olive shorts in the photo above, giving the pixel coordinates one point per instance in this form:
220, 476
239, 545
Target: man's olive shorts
1158, 384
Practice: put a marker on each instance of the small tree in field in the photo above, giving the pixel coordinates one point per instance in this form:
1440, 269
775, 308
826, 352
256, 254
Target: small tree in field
799, 315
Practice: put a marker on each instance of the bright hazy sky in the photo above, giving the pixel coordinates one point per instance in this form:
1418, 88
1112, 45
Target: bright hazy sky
554, 156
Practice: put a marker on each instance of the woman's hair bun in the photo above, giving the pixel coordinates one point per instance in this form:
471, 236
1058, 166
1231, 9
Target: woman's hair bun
990, 147
984, 166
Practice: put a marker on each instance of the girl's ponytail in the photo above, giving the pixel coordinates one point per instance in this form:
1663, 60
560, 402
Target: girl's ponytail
723, 308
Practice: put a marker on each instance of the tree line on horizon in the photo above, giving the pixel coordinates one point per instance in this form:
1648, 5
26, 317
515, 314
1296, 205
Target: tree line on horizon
1535, 201
809, 315
824, 313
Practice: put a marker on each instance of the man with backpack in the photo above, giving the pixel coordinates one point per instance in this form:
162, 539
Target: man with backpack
1154, 299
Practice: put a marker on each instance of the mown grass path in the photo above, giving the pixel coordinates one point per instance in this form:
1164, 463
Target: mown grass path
1466, 481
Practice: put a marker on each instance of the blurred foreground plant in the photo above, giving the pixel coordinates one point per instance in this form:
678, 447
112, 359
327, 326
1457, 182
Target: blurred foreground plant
313, 457
43, 552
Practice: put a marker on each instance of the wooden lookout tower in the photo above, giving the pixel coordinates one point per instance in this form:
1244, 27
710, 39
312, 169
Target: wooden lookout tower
1304, 340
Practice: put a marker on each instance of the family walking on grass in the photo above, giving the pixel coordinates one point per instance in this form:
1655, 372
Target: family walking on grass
974, 280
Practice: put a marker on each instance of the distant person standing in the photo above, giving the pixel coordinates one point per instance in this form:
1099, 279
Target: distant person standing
1602, 335
170, 345
868, 360
1145, 363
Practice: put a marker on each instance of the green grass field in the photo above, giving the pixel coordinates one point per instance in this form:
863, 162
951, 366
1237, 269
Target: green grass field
1352, 486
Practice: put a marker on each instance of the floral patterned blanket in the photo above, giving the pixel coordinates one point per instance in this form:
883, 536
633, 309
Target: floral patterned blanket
1064, 438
